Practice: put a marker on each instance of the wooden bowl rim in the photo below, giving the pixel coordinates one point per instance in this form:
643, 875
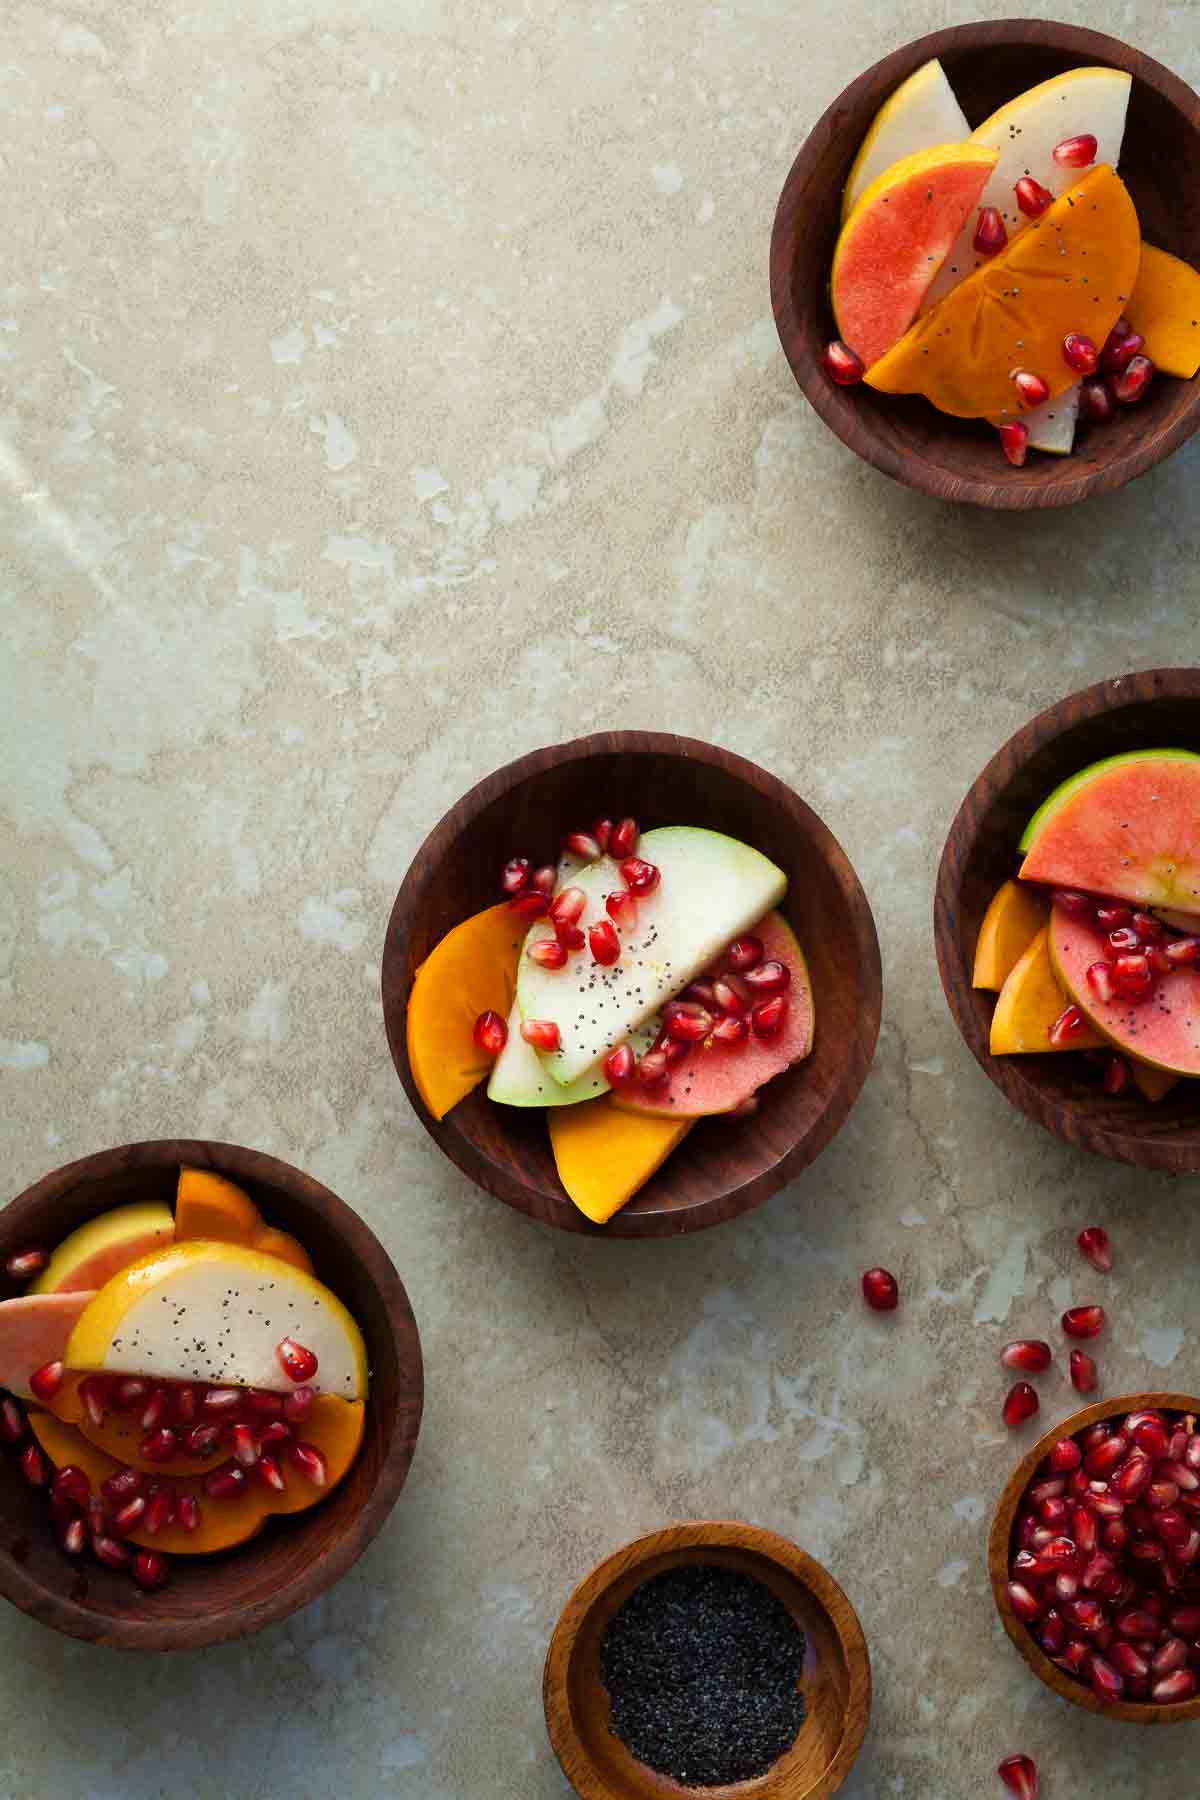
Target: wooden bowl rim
76, 1618
1097, 701
834, 404
1134, 1712
865, 940
705, 1534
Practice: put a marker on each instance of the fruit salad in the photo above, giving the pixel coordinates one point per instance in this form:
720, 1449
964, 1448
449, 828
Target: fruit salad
175, 1379
1001, 272
1104, 1567
1094, 947
642, 982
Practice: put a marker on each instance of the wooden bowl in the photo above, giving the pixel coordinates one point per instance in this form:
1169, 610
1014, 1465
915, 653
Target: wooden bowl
958, 459
1000, 1556
724, 1167
1144, 711
836, 1679
210, 1599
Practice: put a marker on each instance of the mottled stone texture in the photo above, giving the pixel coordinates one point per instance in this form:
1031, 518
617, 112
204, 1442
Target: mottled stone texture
386, 387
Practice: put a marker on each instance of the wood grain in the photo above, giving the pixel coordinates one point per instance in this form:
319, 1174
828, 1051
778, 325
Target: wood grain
836, 1679
955, 459
1000, 1550
725, 1166
1131, 712
214, 1598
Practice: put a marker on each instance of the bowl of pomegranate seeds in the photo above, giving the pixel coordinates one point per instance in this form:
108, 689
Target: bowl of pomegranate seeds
1067, 919
985, 264
631, 984
210, 1392
1095, 1558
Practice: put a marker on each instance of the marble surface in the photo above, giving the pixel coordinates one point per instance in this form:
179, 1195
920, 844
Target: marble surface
387, 387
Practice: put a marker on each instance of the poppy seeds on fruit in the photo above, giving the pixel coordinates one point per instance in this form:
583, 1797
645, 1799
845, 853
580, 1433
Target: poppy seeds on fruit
702, 1666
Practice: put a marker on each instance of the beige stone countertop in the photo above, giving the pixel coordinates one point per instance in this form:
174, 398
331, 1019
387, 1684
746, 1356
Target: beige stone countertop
388, 387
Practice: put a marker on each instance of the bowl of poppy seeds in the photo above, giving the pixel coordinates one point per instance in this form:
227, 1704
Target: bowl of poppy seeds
712, 1658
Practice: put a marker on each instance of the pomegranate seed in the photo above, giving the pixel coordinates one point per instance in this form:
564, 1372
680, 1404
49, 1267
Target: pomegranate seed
1057, 1513
1130, 385
544, 880
297, 1362
567, 908
842, 364
310, 1462
744, 954
491, 1035
1069, 1024
602, 832
1107, 1456
94, 1394
1095, 402
97, 1516
182, 1403
671, 1049
25, 1264
155, 1410
620, 1066
33, 1466
1019, 1775
12, 1421
689, 1024
277, 1432
187, 1512
723, 997
1093, 1240
1024, 1602
1096, 1434
1174, 1688
1085, 1529
1110, 917
298, 1404
129, 1515
653, 1069
1098, 1569
1191, 1455
1066, 1455
1053, 1633
74, 1537
1061, 1551
45, 1382
542, 1034
150, 1569
1171, 1655
263, 1403
1185, 1620
530, 906
1076, 152
1108, 1682
1021, 1404
1030, 1354
623, 840
1182, 951
1080, 353
160, 1509
1052, 1489
991, 235
768, 978
221, 1400
1028, 1566
548, 953
1119, 352
1075, 904
582, 844
622, 908
1104, 1504
569, 936
1177, 1448
767, 1018
1083, 1321
1032, 390
1184, 1478
730, 1030
201, 1440
604, 943
1146, 1550
226, 1482
1083, 1372
160, 1445
1131, 1481
881, 1290
1137, 1623
1148, 928
1124, 940
639, 876
515, 875
1075, 1657
1014, 441
122, 1484
270, 1474
108, 1551
1129, 1661
1116, 1075
71, 1484
245, 1450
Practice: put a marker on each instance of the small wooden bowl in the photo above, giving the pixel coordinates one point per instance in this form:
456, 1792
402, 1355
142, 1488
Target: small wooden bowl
1000, 1557
836, 1680
211, 1599
1144, 711
961, 459
724, 1167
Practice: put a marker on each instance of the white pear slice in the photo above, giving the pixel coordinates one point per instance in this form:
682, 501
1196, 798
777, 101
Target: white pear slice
1052, 425
922, 112
520, 1079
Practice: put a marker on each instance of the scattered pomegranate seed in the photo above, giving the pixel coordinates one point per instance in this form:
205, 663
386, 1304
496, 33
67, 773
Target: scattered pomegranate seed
155, 1409
150, 1569
1033, 390
1030, 1354
128, 1516
1181, 952
110, 1552
544, 880
71, 1485
1108, 1682
548, 953
1123, 940
183, 1403
310, 1462
74, 1537
1148, 928
726, 999
1014, 440
1084, 1321
160, 1508
1019, 1775
160, 1445
623, 840
298, 1404
245, 1449
688, 1023
122, 1484
277, 1432
744, 954
767, 1018
187, 1512
1069, 1024
514, 876
226, 1482
33, 1466
672, 1048
1024, 1602
653, 1069
1119, 352
530, 906
12, 1421
1095, 402
270, 1474
1174, 1688
1073, 903
25, 1264
620, 1066
842, 364
543, 1034
264, 1403
640, 877
1083, 1372
881, 1290
129, 1392
491, 1035
201, 1440
1076, 152
45, 1382
1065, 1456
296, 1360
1116, 1075
1080, 353
604, 943
1022, 1403
583, 844
567, 907
768, 977
569, 936
991, 234
731, 1030
622, 907
1093, 1240
1032, 197
602, 832
1132, 1480
1130, 385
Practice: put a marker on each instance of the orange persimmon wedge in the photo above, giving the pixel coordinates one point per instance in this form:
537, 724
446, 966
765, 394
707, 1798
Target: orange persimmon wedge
604, 1156
212, 1208
472, 970
1013, 919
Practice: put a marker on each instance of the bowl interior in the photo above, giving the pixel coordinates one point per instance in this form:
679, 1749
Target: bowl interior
825, 1681
724, 1164
211, 1597
988, 65
982, 853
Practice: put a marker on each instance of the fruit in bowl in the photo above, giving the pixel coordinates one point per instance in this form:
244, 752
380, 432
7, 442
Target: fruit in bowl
1002, 273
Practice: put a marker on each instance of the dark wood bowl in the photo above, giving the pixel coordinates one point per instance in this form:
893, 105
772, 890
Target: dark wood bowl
1131, 712
1000, 1555
836, 1680
957, 459
724, 1167
210, 1599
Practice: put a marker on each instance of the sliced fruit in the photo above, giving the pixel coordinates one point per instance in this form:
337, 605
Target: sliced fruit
1165, 308
1013, 919
1025, 133
334, 1427
97, 1250
1051, 426
472, 970
1125, 828
1030, 1001
209, 1206
34, 1330
1153, 1084
922, 113
712, 887
520, 1079
1074, 266
217, 1312
717, 1078
603, 1156
1162, 1030
893, 243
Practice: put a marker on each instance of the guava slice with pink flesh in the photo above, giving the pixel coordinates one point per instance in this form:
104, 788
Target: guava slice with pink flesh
1127, 828
717, 1078
34, 1329
1162, 1030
